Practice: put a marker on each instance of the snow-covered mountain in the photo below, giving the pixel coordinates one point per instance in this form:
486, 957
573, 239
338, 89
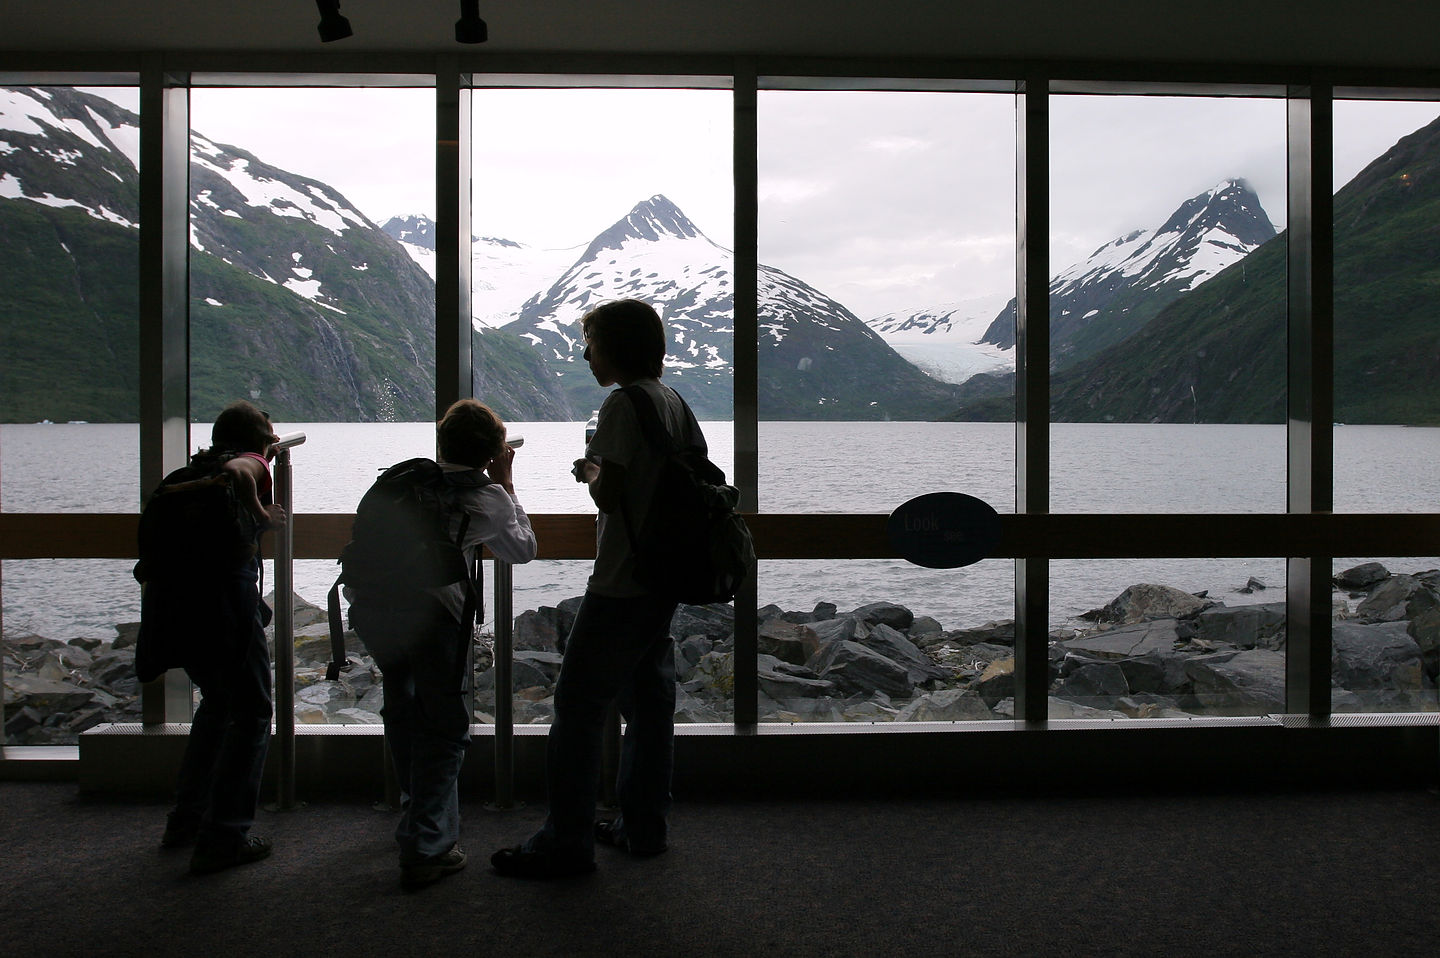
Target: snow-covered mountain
42, 130
944, 341
296, 299
816, 359
504, 273
656, 254
1125, 283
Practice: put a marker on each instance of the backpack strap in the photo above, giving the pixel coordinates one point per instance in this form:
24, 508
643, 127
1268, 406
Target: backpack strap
658, 437
338, 660
655, 432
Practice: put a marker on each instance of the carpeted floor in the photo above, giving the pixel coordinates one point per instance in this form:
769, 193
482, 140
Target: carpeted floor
1304, 874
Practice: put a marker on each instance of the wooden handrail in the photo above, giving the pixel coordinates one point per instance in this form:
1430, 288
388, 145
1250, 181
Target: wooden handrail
846, 536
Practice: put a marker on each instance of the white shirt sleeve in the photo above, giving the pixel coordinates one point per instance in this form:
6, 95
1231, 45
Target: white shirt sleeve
499, 521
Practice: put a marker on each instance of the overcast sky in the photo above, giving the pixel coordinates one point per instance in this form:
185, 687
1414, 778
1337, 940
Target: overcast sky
885, 201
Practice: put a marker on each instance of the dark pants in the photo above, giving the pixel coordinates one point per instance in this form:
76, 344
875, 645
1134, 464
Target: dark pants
619, 651
219, 781
421, 650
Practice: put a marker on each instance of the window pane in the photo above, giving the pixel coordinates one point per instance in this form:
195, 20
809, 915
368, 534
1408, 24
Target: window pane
1167, 303
886, 368
306, 299
1167, 638
564, 221
1386, 635
69, 394
922, 645
1386, 327
1386, 321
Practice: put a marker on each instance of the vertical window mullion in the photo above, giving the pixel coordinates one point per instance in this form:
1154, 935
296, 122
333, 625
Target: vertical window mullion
453, 333
746, 401
1032, 390
164, 314
1310, 311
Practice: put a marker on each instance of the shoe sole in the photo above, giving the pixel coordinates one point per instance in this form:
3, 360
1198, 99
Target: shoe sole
539, 868
218, 865
428, 876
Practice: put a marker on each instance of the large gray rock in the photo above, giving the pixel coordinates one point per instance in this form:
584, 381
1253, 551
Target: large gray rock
1150, 707
845, 629
791, 641
897, 648
64, 662
691, 710
536, 629
996, 683
885, 613
782, 687
114, 669
1244, 626
44, 695
854, 668
991, 633
547, 663
822, 611
717, 622
125, 635
1425, 630
1362, 576
329, 697
1063, 709
1093, 680
1375, 656
946, 705
1127, 641
1149, 601
1251, 682
1398, 597
1160, 673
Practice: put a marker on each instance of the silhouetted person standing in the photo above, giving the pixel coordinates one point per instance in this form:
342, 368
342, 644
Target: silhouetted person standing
619, 649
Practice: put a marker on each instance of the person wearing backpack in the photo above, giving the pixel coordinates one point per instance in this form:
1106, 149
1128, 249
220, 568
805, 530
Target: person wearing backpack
420, 636
202, 611
619, 649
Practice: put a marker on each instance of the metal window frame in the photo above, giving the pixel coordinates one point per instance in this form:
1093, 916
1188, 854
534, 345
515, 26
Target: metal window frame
165, 80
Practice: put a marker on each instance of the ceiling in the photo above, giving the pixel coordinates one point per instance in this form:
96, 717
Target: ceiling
1392, 33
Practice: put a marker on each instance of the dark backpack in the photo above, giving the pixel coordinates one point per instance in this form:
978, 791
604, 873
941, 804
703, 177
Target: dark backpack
193, 526
691, 546
193, 534
400, 546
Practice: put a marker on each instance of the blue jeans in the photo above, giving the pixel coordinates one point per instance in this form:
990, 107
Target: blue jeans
219, 781
619, 651
421, 650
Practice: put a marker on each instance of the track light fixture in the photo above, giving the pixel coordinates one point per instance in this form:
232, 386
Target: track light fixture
470, 28
332, 25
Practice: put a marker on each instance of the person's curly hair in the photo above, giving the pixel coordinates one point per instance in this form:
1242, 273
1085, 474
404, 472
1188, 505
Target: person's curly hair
470, 434
240, 427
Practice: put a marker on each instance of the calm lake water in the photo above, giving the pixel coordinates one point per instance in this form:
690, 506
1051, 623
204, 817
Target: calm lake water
804, 467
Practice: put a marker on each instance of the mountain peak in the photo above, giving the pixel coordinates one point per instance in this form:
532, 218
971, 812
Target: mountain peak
415, 228
650, 220
1233, 204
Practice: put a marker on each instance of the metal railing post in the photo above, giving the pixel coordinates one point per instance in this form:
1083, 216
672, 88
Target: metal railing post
504, 690
285, 624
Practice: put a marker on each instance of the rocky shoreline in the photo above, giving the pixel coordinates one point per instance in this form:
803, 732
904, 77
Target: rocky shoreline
1152, 652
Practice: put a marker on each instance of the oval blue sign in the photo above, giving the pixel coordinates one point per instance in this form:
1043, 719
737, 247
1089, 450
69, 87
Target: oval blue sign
944, 530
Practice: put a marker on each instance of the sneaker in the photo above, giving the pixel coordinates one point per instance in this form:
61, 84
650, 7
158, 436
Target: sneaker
428, 871
179, 832
207, 860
